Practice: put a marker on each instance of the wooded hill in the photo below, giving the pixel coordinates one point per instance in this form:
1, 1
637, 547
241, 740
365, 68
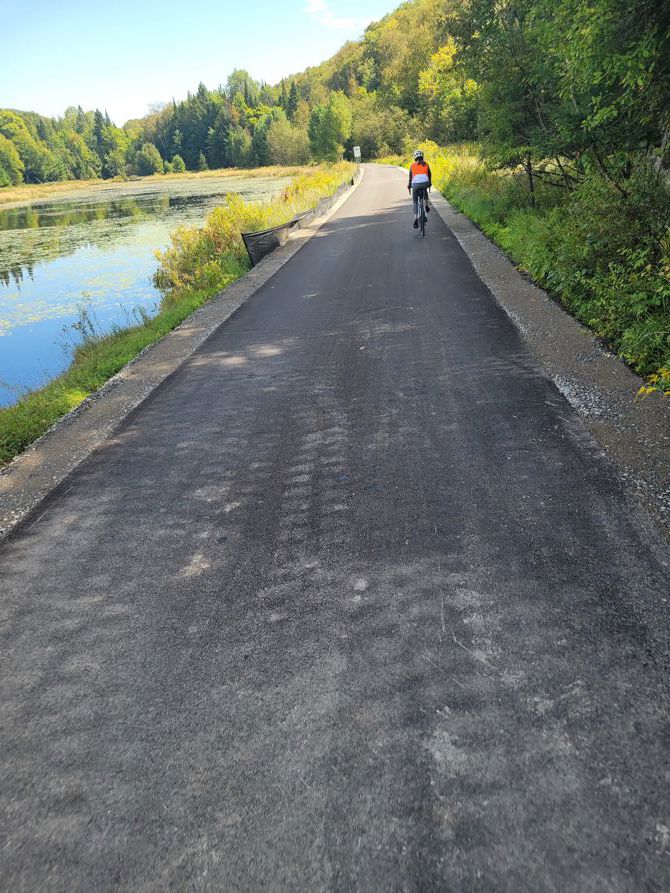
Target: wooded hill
535, 80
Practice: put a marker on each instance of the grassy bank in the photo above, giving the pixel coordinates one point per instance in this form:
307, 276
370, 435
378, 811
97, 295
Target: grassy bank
200, 258
199, 263
25, 193
604, 256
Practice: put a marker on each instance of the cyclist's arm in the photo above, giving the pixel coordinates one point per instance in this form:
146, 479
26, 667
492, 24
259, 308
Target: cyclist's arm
430, 177
409, 185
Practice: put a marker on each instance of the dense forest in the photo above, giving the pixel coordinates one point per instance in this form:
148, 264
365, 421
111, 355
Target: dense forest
553, 85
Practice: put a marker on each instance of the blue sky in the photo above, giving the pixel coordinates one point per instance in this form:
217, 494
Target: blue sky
123, 55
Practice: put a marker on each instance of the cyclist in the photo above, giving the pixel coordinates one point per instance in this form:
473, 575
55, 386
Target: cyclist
420, 179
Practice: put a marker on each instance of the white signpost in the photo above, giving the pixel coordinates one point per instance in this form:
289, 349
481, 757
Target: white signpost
357, 153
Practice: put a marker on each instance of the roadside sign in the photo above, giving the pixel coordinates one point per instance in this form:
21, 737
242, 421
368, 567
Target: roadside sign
357, 153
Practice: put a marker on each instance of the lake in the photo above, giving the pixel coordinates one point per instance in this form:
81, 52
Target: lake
94, 249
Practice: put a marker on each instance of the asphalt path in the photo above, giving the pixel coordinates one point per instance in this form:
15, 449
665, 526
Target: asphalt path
352, 602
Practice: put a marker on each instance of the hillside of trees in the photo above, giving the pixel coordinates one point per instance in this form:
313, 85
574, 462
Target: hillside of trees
548, 84
375, 93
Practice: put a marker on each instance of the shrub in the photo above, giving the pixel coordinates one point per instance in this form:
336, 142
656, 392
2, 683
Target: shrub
287, 144
149, 160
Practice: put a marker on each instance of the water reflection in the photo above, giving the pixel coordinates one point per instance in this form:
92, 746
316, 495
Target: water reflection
49, 232
68, 213
68, 226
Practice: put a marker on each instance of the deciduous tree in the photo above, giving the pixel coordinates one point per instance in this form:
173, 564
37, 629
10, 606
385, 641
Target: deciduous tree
149, 160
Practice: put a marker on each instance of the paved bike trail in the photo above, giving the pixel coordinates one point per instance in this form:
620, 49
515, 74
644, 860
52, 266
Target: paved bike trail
351, 602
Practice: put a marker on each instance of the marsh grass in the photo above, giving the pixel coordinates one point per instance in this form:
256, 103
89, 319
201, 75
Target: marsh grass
199, 256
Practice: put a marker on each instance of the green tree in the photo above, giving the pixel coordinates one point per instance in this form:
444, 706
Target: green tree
330, 127
292, 102
80, 161
450, 97
114, 163
378, 129
176, 142
501, 46
239, 111
38, 161
149, 160
99, 134
217, 139
184, 128
110, 144
202, 162
241, 83
239, 147
11, 166
287, 144
611, 59
178, 166
259, 144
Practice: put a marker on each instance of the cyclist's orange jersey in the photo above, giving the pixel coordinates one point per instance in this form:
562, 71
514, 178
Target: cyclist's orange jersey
419, 173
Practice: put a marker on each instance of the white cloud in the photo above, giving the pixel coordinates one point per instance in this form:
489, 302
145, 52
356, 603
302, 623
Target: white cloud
323, 14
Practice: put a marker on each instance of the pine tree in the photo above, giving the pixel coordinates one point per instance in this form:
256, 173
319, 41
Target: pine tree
292, 101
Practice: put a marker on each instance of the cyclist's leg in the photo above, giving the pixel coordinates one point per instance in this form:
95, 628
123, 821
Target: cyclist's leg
415, 203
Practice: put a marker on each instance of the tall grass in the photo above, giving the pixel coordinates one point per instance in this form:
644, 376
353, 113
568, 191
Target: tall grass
200, 257
199, 263
605, 257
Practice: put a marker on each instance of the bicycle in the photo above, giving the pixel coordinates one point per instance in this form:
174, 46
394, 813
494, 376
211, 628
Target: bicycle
423, 217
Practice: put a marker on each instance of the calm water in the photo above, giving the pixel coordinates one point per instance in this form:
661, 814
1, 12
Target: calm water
94, 250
